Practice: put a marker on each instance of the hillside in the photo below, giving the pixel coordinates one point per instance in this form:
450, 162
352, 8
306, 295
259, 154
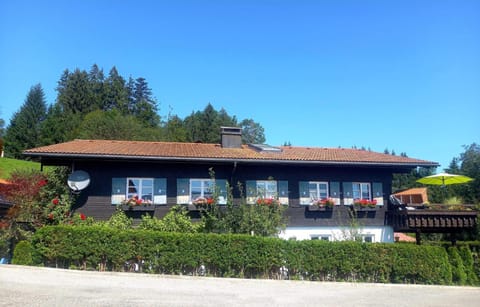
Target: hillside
7, 166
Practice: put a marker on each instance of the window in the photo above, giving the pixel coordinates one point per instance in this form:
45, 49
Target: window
320, 237
368, 238
361, 190
311, 191
190, 189
153, 190
141, 188
317, 190
256, 189
266, 188
201, 188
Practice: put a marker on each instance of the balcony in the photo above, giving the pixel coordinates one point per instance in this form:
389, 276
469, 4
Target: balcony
432, 219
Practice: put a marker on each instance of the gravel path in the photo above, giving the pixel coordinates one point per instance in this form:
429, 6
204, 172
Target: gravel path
31, 286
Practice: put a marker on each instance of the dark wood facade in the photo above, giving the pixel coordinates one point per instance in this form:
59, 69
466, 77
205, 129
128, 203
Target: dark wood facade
95, 201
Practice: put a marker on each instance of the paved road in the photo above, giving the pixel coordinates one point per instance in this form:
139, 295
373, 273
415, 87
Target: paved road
30, 286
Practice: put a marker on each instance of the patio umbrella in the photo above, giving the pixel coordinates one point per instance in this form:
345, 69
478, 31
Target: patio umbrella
444, 179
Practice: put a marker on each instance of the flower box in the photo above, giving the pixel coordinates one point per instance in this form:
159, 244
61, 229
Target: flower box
365, 204
137, 204
319, 208
138, 208
324, 204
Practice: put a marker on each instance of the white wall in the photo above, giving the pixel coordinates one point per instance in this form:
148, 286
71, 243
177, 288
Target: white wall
377, 233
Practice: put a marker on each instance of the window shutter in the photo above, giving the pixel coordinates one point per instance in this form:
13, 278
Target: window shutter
251, 191
119, 190
183, 191
378, 193
159, 191
335, 192
282, 187
304, 193
221, 189
347, 193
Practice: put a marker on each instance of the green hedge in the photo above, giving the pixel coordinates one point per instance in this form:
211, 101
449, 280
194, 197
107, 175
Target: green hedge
103, 248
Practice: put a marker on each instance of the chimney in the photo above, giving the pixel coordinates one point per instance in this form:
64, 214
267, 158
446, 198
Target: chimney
231, 137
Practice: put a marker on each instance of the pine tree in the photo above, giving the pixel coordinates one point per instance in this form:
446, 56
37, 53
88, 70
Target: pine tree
144, 106
24, 129
75, 93
96, 79
59, 126
116, 93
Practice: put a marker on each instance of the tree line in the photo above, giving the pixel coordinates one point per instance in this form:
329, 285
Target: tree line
91, 105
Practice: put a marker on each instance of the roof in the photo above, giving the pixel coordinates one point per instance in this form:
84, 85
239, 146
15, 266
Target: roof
133, 150
401, 237
413, 196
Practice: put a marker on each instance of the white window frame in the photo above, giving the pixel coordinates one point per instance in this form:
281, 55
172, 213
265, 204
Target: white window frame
318, 195
140, 189
321, 237
204, 184
371, 236
268, 193
362, 187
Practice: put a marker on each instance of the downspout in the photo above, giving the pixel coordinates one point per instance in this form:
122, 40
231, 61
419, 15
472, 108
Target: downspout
232, 177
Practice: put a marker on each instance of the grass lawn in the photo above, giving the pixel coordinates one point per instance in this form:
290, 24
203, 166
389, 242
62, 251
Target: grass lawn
7, 166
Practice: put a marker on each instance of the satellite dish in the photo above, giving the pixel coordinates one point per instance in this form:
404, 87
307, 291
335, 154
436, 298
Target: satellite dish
78, 180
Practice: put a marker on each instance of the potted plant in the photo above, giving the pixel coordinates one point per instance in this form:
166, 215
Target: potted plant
323, 204
269, 202
364, 204
203, 202
135, 201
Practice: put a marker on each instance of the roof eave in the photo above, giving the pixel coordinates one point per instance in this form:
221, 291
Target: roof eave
254, 161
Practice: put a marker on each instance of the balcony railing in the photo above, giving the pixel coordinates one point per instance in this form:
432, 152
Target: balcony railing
434, 219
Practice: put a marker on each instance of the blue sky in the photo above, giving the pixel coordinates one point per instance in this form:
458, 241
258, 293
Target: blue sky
402, 75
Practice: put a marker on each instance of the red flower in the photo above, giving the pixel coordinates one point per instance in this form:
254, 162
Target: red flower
42, 182
55, 201
209, 201
83, 217
138, 202
50, 216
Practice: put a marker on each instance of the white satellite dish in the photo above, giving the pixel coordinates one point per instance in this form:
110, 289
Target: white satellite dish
78, 180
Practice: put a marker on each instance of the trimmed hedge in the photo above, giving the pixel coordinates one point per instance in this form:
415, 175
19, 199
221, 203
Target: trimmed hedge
104, 248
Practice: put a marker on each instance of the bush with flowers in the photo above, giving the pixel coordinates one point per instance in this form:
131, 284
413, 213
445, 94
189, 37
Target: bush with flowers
365, 203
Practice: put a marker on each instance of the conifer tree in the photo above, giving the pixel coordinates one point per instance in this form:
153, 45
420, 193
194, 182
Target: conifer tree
116, 93
24, 129
144, 106
75, 93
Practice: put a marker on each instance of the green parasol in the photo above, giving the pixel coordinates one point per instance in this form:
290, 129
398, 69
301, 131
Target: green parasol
444, 179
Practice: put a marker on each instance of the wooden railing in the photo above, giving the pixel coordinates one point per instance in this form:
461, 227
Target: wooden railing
428, 220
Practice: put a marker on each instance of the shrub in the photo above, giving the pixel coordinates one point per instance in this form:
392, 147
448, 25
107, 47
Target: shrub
23, 253
458, 269
101, 247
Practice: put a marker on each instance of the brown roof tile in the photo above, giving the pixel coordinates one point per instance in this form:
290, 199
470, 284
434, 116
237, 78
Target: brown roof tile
188, 151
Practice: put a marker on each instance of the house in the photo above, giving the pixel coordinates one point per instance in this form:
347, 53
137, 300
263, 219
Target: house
166, 173
4, 204
415, 196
